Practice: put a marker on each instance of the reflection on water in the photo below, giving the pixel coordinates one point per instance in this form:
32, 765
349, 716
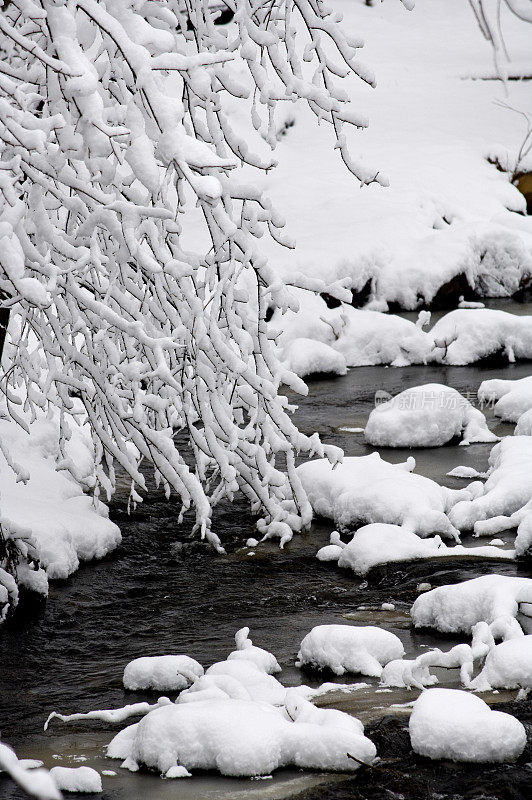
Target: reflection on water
162, 593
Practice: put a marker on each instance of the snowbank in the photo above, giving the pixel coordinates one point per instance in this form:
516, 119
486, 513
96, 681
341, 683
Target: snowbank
426, 416
468, 335
493, 599
260, 686
163, 673
348, 648
77, 779
506, 493
445, 221
379, 543
47, 506
367, 489
239, 737
452, 724
513, 397
508, 665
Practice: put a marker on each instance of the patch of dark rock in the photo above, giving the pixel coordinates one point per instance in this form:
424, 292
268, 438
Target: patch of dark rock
330, 301
361, 296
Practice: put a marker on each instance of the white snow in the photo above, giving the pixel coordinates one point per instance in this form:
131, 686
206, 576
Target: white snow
349, 648
493, 599
446, 212
508, 665
240, 737
34, 781
513, 397
426, 416
48, 506
380, 543
162, 673
246, 650
308, 356
368, 489
455, 725
77, 779
468, 335
506, 497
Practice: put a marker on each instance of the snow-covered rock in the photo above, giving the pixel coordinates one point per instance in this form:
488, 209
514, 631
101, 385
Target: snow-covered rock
493, 599
349, 648
261, 687
426, 416
512, 398
246, 650
239, 737
380, 543
368, 489
508, 665
524, 424
309, 356
455, 725
77, 779
407, 673
468, 335
161, 673
506, 492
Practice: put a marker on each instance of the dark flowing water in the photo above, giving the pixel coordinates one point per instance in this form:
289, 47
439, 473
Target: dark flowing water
161, 592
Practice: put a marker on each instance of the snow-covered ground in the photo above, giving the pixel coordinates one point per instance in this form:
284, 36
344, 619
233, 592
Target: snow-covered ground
431, 130
43, 507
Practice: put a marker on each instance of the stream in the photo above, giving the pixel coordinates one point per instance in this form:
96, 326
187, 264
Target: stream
163, 592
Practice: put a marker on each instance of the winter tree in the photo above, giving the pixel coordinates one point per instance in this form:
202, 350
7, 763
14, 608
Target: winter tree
117, 140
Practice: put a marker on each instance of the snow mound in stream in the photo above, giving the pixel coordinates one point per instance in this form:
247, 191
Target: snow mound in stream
508, 665
240, 737
246, 650
506, 498
77, 779
379, 543
426, 416
452, 724
162, 673
513, 398
367, 489
348, 648
493, 599
468, 335
308, 357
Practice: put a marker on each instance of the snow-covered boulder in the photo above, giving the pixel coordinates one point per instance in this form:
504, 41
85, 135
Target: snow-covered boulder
508, 665
349, 648
507, 490
426, 416
246, 650
380, 543
261, 687
161, 673
468, 335
238, 737
524, 424
493, 599
77, 779
309, 356
359, 337
512, 398
406, 673
455, 725
367, 489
